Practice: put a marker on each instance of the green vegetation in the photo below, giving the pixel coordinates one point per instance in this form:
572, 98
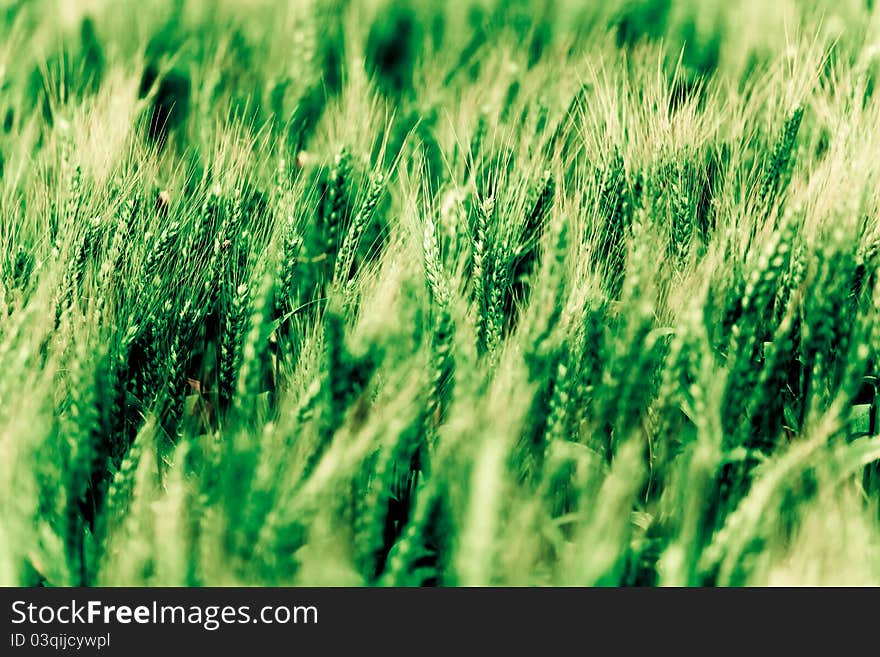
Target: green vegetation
377, 292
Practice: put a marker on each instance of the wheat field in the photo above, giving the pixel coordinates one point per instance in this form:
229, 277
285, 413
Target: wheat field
412, 293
